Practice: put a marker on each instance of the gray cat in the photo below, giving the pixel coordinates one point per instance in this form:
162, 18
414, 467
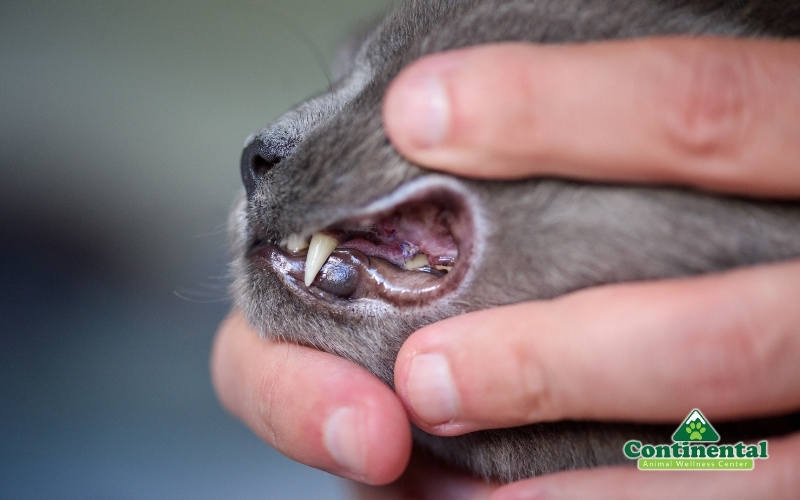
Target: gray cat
343, 245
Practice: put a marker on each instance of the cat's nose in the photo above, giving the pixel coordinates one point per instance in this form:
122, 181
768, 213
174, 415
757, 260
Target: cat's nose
258, 159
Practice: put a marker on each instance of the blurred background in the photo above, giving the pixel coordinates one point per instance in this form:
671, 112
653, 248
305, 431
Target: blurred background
121, 125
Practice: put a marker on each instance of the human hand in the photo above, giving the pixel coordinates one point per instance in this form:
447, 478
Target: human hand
551, 118
313, 407
715, 114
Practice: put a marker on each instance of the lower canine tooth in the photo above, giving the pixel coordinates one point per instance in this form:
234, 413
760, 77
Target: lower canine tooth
320, 248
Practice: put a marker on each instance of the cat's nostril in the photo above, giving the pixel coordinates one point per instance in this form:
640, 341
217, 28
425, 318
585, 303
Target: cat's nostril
263, 153
261, 166
257, 161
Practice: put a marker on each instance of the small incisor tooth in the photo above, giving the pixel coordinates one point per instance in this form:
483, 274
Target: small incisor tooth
419, 260
320, 248
296, 243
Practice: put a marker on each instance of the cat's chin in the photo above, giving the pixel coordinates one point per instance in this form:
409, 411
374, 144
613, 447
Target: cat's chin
411, 248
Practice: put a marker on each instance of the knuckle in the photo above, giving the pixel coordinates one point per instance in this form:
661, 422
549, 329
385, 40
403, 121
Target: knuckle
712, 106
269, 408
535, 401
734, 357
265, 397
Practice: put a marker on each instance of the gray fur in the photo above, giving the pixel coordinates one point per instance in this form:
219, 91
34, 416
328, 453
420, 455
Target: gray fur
534, 239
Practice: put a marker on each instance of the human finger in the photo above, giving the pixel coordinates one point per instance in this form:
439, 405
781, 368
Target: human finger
720, 114
728, 343
312, 406
427, 479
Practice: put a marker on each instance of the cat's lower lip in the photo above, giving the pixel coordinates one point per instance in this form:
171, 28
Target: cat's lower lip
350, 275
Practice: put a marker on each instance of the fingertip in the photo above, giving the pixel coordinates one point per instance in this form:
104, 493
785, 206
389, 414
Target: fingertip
366, 433
366, 447
226, 349
314, 407
347, 421
389, 433
412, 386
416, 108
428, 381
442, 111
466, 111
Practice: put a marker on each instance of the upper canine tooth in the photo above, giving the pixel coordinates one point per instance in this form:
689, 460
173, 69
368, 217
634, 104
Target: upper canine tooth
320, 248
295, 243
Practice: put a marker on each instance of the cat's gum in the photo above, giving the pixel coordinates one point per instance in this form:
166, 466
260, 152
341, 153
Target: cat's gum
415, 238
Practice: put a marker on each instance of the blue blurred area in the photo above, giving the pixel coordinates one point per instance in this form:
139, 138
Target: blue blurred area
120, 132
106, 393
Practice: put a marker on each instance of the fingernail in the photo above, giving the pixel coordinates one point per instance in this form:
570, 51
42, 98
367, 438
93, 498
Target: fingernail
342, 438
422, 109
431, 391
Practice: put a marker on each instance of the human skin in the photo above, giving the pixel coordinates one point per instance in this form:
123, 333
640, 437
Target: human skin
715, 114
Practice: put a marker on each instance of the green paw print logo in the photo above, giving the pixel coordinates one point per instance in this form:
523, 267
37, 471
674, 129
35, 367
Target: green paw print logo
695, 430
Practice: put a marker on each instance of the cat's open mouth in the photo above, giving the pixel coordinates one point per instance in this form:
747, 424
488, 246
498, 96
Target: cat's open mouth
409, 253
